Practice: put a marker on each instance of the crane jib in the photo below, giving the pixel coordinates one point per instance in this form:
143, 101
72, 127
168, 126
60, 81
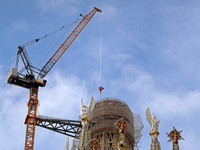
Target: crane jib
61, 50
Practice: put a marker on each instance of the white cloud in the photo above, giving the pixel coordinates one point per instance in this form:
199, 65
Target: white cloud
13, 112
171, 105
180, 37
60, 98
174, 108
167, 104
20, 25
190, 141
109, 13
62, 95
133, 79
57, 6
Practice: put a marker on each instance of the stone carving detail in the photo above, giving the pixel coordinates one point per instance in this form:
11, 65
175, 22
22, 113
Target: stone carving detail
154, 124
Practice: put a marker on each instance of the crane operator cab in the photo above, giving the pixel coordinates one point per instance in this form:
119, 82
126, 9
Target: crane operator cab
28, 81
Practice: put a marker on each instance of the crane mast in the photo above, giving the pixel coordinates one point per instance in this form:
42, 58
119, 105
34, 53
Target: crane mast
32, 83
31, 119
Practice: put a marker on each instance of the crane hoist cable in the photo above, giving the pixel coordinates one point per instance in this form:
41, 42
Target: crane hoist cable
62, 28
50, 33
100, 59
66, 26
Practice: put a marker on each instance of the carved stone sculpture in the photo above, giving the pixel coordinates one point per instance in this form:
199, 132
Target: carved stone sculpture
85, 121
154, 123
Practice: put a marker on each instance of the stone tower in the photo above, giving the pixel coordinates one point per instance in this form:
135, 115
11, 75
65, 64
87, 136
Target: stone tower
106, 112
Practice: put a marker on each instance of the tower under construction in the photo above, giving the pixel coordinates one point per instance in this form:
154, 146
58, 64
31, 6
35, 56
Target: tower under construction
101, 126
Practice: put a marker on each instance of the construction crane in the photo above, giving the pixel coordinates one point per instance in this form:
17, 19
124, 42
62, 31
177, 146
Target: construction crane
34, 77
70, 128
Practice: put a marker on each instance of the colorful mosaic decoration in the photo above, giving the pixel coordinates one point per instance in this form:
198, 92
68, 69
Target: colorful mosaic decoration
121, 125
93, 145
174, 136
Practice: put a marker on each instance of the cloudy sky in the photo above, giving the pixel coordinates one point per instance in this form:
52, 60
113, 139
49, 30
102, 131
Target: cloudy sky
150, 57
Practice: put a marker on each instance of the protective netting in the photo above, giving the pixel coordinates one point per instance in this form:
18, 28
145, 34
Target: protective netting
106, 112
138, 127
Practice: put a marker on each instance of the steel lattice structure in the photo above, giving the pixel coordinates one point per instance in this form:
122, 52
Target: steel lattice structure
70, 128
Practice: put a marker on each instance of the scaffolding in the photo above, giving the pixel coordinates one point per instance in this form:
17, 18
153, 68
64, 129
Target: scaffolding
103, 117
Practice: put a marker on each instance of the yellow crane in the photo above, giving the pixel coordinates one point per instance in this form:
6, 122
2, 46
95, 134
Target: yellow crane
34, 77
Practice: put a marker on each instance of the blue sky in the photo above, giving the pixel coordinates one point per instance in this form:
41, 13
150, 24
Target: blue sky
150, 57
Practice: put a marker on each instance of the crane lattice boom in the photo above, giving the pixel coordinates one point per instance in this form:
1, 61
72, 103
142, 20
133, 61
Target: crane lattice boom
61, 50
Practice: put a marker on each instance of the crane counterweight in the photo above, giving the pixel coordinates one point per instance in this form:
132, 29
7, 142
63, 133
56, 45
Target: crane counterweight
26, 82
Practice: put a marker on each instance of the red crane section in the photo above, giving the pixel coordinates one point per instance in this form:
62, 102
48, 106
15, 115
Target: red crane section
61, 50
31, 119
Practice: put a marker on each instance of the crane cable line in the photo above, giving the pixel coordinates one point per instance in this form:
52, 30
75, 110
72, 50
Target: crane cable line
100, 59
53, 32
69, 26
100, 76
